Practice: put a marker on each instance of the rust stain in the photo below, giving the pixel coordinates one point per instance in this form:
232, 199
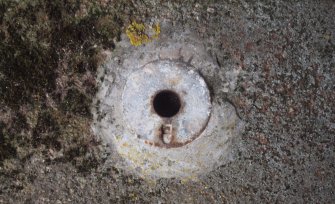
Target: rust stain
175, 81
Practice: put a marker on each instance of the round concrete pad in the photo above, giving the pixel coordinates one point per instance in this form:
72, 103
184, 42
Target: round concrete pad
198, 134
138, 96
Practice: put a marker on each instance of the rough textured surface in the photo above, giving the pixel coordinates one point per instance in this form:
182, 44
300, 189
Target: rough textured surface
204, 130
141, 89
281, 54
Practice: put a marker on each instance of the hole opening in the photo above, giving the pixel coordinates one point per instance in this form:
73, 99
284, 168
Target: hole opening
166, 103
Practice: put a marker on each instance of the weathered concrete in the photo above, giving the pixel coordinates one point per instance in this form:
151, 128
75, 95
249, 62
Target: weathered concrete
202, 131
280, 54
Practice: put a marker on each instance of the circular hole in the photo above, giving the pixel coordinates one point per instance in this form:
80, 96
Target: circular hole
166, 103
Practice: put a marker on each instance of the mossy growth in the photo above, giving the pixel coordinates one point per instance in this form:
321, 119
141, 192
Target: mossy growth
46, 132
6, 148
12, 137
49, 54
77, 103
39, 36
139, 33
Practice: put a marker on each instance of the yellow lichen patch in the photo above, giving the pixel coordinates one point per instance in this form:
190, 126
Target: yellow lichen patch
157, 30
139, 33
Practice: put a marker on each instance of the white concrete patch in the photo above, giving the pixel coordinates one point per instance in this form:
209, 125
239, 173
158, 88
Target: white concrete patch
192, 142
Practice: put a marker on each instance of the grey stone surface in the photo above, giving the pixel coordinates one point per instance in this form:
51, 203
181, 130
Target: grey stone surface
204, 130
283, 52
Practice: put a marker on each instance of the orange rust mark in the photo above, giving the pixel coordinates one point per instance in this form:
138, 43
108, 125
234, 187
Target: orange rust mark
174, 81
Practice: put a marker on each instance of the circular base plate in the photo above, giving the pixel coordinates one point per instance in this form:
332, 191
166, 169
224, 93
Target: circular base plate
193, 141
141, 117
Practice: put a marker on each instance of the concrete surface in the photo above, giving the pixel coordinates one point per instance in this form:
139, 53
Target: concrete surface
204, 130
281, 54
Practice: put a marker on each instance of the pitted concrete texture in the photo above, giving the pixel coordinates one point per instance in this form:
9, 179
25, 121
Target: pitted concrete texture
143, 86
190, 144
275, 64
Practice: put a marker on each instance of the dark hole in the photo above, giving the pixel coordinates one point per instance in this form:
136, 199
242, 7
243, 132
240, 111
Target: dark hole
166, 103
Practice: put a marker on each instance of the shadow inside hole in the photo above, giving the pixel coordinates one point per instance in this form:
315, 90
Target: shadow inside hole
166, 103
